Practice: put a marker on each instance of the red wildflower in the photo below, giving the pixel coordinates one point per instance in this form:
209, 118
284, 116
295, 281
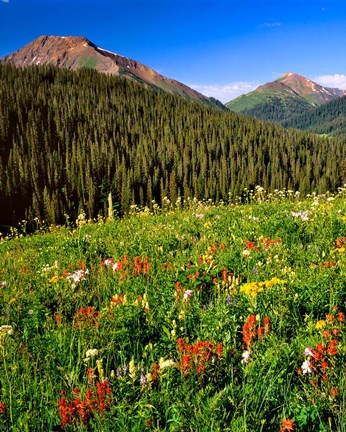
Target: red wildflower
197, 355
249, 331
2, 407
251, 320
200, 368
91, 375
332, 348
218, 350
249, 244
185, 363
146, 265
260, 332
341, 317
324, 365
334, 392
287, 425
87, 317
330, 318
320, 348
57, 319
336, 332
103, 392
317, 355
181, 345
266, 324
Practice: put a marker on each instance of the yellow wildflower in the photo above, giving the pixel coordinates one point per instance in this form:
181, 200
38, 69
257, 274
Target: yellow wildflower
320, 324
132, 369
54, 279
252, 289
100, 370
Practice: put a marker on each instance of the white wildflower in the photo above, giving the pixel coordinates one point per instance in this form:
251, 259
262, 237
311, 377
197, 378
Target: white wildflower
308, 352
246, 357
166, 363
306, 367
91, 353
187, 294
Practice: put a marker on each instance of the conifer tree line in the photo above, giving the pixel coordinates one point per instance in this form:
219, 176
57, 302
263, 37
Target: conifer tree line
68, 139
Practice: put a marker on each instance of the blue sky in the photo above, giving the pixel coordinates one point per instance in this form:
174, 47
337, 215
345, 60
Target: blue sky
222, 48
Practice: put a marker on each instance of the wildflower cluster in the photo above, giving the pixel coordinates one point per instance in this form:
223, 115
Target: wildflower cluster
124, 267
137, 374
252, 289
340, 245
320, 361
82, 410
263, 243
86, 317
303, 215
252, 332
182, 294
77, 276
197, 357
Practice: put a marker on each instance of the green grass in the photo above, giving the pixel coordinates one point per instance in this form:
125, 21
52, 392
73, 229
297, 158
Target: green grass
88, 62
144, 323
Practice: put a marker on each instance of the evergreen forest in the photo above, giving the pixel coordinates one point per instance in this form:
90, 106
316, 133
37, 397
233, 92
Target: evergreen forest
329, 118
69, 139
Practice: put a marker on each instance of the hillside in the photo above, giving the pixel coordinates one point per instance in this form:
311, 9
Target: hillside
70, 138
75, 52
289, 95
328, 119
208, 318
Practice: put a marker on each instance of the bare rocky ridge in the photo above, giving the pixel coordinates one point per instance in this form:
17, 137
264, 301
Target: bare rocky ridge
74, 52
309, 90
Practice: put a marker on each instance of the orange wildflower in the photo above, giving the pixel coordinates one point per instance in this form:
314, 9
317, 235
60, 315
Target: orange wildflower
287, 425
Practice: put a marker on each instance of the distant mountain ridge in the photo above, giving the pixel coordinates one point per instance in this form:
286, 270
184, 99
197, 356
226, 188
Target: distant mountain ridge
75, 52
289, 95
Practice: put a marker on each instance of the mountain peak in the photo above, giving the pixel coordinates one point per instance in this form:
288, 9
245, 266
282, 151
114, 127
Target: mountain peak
75, 52
288, 74
288, 95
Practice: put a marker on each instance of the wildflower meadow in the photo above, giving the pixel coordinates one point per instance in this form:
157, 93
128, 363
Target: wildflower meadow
202, 317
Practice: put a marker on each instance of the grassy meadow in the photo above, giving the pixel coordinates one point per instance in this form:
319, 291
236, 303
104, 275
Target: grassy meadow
227, 317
